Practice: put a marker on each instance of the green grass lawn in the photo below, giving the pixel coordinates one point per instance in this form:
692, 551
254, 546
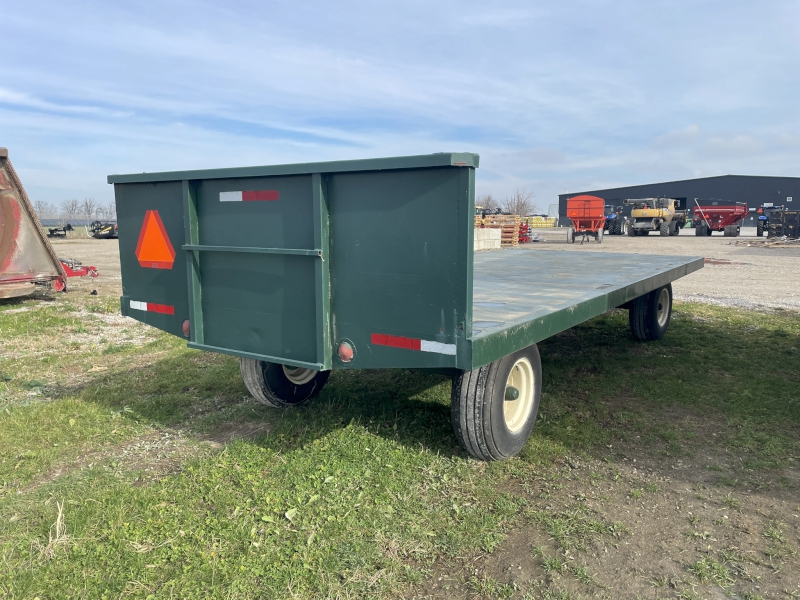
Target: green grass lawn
118, 480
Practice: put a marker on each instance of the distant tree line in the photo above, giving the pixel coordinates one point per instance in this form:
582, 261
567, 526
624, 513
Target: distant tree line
87, 208
519, 203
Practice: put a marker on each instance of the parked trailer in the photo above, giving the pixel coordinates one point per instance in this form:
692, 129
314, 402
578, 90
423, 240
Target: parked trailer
588, 217
727, 218
292, 269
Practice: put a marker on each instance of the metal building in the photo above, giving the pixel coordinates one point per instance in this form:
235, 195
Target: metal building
755, 190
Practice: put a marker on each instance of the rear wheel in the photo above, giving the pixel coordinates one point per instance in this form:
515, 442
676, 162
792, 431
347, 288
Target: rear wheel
708, 230
760, 229
631, 230
279, 385
494, 407
664, 228
571, 235
649, 315
599, 236
700, 229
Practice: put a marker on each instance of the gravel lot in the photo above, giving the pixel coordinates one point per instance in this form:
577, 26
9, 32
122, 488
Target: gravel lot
740, 276
751, 277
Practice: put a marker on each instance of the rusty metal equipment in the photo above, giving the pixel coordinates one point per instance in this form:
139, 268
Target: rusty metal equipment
588, 217
27, 260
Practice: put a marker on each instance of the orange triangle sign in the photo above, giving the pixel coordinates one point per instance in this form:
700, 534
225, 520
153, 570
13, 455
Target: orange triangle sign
154, 250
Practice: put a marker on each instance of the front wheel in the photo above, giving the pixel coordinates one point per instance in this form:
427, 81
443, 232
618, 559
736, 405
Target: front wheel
599, 236
760, 229
571, 235
279, 385
494, 407
649, 315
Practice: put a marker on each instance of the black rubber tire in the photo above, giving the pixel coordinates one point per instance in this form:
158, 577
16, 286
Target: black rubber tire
674, 229
644, 232
760, 229
571, 235
268, 383
709, 231
631, 230
476, 407
599, 236
643, 315
700, 229
663, 229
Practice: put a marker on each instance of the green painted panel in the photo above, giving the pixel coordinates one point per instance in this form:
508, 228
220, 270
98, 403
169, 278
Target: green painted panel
260, 304
399, 263
147, 285
284, 223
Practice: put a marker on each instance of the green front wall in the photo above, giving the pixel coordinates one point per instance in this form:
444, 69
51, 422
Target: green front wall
340, 256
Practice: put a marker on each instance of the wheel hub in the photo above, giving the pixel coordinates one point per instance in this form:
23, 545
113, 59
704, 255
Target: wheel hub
663, 307
299, 375
518, 395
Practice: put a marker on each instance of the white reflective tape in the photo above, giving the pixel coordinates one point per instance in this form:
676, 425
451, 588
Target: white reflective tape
438, 347
136, 305
230, 196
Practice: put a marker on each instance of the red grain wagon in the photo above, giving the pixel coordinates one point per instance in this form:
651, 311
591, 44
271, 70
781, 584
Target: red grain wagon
587, 214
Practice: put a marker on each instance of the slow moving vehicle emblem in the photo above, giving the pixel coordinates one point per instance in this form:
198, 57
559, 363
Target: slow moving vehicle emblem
154, 250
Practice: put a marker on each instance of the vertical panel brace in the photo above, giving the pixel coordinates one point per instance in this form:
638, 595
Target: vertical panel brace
322, 269
189, 193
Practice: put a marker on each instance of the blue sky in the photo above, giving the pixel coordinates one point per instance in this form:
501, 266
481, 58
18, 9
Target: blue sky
554, 96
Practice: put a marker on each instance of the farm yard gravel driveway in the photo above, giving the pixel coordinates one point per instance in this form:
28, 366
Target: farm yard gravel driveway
739, 276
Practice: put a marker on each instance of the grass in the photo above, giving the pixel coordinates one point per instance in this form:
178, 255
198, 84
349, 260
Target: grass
363, 491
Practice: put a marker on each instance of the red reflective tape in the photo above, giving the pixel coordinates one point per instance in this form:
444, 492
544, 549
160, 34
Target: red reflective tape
396, 341
260, 195
160, 308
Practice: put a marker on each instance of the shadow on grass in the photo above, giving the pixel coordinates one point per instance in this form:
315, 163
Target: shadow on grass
730, 371
199, 392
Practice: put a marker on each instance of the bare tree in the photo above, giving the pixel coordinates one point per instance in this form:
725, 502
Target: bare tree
520, 203
89, 208
42, 208
111, 211
488, 202
70, 209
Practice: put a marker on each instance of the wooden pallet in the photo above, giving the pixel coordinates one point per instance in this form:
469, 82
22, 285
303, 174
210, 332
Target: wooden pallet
508, 224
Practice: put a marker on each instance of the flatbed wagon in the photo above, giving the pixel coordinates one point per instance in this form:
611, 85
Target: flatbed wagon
292, 269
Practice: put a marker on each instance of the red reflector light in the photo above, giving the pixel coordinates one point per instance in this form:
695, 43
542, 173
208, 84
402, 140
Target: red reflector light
345, 352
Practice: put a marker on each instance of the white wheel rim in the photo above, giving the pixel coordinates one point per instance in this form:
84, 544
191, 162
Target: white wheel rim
663, 307
516, 412
299, 375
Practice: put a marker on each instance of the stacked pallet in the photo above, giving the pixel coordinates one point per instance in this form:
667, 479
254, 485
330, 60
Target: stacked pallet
540, 221
508, 226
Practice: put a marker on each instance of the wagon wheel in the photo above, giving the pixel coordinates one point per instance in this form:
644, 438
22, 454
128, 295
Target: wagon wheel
649, 315
494, 407
279, 385
571, 235
599, 236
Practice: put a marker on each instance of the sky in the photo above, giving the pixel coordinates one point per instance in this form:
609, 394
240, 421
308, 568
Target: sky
555, 96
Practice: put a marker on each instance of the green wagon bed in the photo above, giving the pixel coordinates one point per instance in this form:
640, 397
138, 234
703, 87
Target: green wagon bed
303, 269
